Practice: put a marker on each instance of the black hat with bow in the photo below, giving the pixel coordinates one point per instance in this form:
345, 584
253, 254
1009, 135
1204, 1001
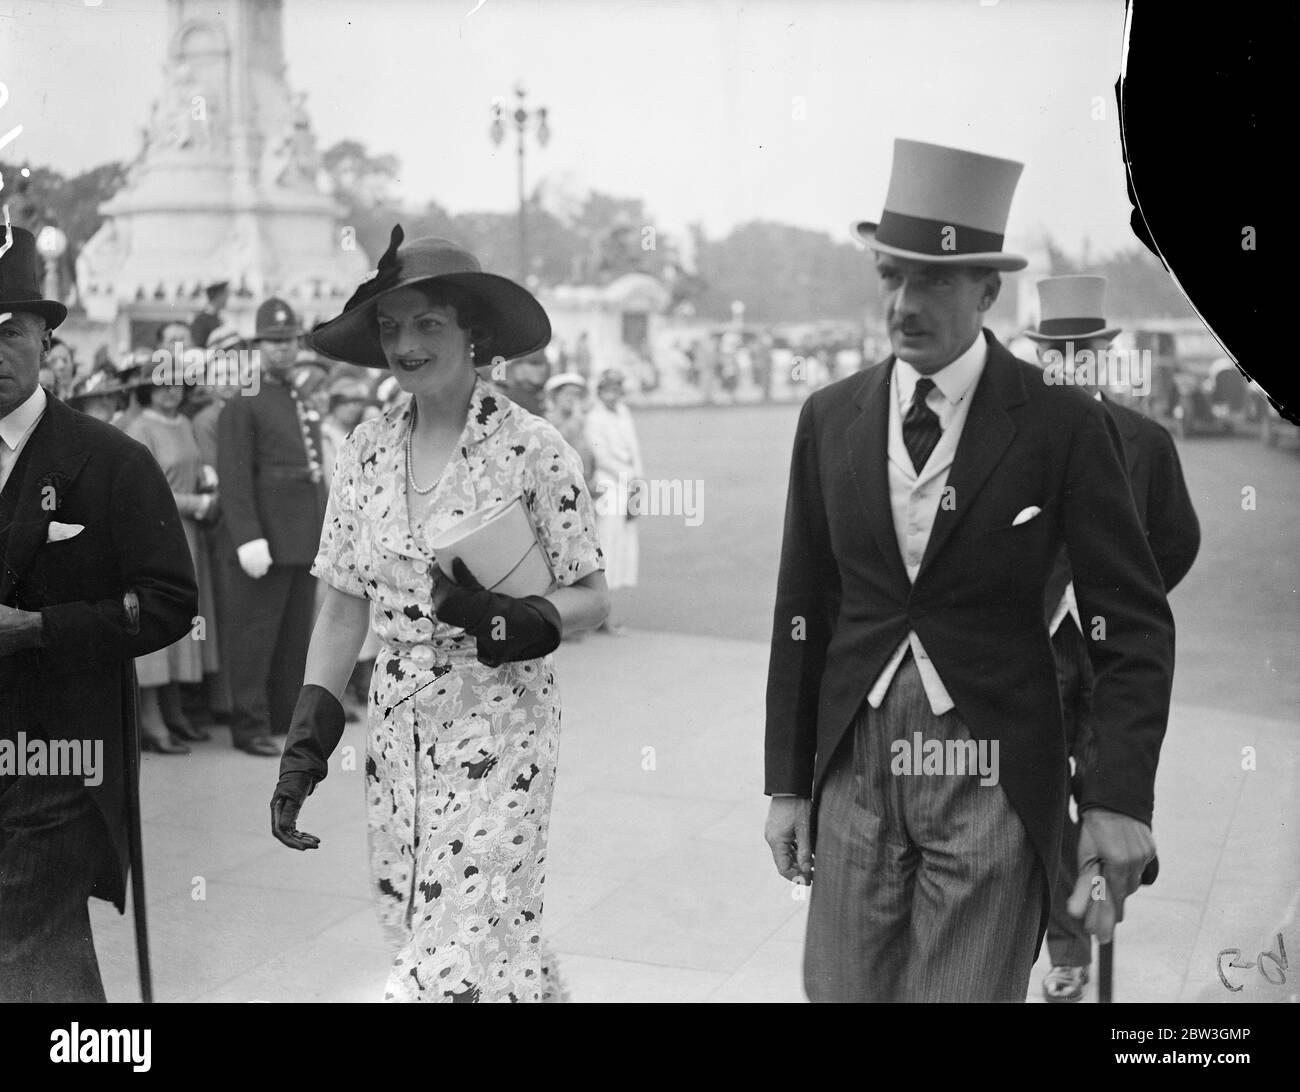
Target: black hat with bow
516, 325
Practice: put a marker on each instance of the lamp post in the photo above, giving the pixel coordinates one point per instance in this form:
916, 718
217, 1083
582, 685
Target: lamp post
51, 244
521, 116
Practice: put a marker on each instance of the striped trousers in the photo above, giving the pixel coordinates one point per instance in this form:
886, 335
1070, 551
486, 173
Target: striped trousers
926, 887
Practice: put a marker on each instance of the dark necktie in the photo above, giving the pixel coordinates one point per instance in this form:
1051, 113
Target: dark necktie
921, 429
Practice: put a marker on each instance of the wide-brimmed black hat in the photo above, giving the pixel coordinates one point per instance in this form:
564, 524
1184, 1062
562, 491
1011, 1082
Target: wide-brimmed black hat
20, 278
100, 384
517, 323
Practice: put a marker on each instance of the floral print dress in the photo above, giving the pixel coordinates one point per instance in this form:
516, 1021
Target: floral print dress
460, 758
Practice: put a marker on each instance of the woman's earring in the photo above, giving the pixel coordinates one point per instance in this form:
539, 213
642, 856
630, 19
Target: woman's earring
471, 352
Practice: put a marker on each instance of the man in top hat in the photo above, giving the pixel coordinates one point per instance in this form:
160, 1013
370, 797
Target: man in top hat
1070, 326
209, 319
273, 493
914, 735
96, 571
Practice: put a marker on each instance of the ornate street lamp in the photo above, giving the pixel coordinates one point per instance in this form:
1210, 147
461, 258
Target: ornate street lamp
521, 117
51, 244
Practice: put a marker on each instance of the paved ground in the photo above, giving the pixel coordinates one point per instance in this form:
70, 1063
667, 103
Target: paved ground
661, 888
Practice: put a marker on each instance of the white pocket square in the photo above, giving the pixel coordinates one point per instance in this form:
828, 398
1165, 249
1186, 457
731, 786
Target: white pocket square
60, 531
1025, 515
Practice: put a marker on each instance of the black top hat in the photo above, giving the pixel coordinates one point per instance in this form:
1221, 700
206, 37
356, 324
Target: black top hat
517, 324
20, 278
276, 321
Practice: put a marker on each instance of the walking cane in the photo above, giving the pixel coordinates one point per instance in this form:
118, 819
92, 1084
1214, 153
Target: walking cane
135, 843
1106, 952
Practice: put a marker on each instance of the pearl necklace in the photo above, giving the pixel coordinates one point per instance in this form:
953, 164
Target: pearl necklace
410, 471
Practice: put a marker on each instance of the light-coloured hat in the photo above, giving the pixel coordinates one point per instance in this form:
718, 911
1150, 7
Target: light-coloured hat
1072, 308
565, 379
947, 206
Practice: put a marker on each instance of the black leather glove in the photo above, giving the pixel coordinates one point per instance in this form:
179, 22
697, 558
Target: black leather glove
314, 732
506, 629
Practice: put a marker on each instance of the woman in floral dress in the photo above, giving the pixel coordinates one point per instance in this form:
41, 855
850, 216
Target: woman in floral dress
464, 714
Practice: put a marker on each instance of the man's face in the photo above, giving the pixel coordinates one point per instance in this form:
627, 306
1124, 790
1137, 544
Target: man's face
278, 355
528, 375
23, 339
934, 312
1064, 352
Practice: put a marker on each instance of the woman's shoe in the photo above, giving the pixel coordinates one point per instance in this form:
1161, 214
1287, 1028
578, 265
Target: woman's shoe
167, 746
172, 708
188, 730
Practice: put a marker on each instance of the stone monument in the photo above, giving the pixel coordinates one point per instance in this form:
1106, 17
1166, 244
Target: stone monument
226, 185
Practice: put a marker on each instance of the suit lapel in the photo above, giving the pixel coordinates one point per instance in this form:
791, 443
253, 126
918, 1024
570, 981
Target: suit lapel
53, 456
985, 437
868, 439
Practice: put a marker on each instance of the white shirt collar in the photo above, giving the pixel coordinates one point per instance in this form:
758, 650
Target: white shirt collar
954, 381
15, 424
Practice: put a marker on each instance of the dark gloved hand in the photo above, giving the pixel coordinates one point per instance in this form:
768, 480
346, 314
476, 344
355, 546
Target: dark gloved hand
506, 629
314, 732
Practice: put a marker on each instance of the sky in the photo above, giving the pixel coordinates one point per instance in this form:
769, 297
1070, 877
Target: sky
710, 110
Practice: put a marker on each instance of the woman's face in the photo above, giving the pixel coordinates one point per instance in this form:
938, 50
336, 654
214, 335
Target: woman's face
167, 399
611, 394
426, 350
567, 399
59, 361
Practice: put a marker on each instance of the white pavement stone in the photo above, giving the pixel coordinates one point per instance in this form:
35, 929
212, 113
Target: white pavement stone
661, 887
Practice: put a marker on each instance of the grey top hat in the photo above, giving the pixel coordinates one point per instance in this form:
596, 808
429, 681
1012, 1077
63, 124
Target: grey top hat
1072, 309
947, 206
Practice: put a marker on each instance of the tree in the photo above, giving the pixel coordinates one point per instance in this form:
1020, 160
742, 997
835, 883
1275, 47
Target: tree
45, 196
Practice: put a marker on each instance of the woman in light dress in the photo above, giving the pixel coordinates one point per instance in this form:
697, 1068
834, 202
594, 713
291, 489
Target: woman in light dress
618, 485
169, 435
462, 730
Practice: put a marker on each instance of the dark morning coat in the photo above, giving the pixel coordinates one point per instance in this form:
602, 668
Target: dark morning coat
977, 603
1160, 495
262, 471
77, 470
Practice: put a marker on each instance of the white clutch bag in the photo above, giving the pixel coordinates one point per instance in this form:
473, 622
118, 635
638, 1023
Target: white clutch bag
500, 546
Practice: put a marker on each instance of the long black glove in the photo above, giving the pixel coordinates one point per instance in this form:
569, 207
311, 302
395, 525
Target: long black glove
314, 732
506, 629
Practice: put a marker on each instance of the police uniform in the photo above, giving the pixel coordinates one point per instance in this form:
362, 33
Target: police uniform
272, 487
